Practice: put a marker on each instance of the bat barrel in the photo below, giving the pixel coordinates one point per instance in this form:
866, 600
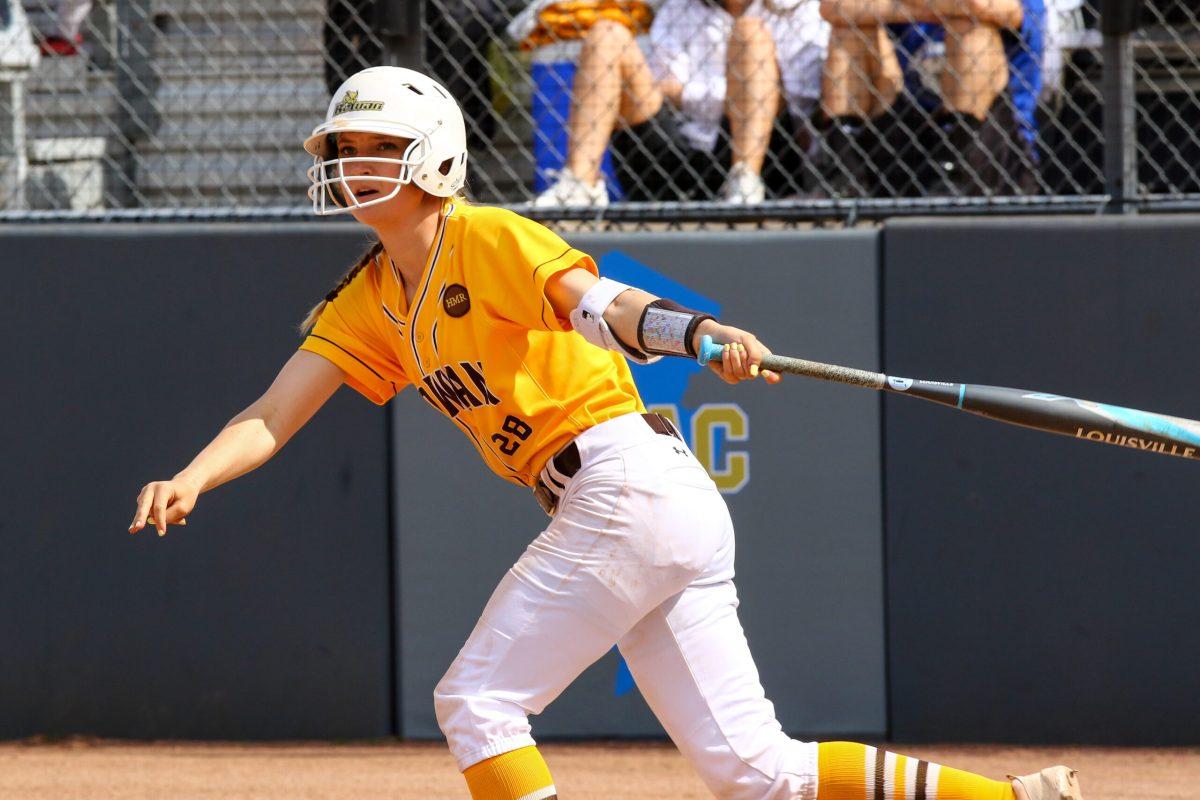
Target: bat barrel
1080, 419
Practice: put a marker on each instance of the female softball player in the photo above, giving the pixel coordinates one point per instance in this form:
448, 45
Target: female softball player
510, 332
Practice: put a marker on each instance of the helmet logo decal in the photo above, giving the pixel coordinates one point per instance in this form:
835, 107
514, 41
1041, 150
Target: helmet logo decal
350, 102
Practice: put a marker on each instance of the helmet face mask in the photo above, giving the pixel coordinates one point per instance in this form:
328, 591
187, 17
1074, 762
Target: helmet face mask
395, 102
331, 182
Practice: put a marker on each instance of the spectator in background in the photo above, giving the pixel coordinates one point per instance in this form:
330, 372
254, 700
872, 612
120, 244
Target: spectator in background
351, 43
980, 122
1064, 24
801, 40
65, 37
457, 34
700, 106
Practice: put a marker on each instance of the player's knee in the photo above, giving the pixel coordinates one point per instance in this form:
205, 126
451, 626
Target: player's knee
453, 705
464, 711
445, 705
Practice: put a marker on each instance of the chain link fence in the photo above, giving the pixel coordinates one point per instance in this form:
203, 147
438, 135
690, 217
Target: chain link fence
1167, 80
602, 109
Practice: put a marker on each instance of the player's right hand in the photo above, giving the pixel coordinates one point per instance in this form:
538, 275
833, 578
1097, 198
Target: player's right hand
164, 503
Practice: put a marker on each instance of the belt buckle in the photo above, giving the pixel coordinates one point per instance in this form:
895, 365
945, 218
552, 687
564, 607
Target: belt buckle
545, 498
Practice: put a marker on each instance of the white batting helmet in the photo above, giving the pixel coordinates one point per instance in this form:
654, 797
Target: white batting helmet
394, 102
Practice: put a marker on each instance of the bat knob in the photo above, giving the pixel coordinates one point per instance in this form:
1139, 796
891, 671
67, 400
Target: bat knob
709, 350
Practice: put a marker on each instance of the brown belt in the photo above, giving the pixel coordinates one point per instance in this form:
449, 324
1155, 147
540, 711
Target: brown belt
566, 463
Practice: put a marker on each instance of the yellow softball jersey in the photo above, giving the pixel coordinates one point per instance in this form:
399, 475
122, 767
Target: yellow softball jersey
481, 342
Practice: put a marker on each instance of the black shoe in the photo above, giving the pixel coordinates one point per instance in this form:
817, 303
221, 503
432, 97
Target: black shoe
844, 164
959, 164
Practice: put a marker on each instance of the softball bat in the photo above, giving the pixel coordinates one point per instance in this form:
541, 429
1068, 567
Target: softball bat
1081, 419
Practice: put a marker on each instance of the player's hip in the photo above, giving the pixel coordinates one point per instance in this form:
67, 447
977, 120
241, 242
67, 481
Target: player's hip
645, 522
642, 493
634, 447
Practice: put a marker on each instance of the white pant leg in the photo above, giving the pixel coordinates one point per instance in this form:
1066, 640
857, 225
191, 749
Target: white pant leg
637, 525
693, 665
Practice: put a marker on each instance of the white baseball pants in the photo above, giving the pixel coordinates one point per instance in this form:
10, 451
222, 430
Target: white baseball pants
640, 553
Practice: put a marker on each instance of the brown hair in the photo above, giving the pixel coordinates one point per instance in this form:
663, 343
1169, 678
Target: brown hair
315, 312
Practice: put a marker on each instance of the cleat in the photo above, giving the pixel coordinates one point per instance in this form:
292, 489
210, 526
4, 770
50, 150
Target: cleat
1052, 783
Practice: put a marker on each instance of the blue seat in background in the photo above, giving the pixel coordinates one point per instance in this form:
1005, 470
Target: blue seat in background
553, 74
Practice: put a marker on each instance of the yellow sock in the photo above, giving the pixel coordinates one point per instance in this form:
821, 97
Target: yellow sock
852, 771
516, 775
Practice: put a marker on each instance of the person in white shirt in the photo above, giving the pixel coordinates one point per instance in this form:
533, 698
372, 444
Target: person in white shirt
1064, 24
708, 65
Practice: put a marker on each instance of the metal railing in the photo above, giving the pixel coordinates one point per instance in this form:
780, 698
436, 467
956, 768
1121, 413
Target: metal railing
617, 110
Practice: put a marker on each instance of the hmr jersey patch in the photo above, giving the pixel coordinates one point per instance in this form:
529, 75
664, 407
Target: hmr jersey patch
456, 301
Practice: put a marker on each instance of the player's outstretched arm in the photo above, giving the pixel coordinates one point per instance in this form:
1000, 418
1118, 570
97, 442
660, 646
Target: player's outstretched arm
743, 352
247, 441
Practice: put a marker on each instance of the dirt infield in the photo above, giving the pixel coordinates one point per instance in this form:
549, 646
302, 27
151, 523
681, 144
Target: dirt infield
87, 770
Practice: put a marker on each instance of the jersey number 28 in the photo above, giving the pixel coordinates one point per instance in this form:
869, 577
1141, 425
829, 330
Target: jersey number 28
520, 431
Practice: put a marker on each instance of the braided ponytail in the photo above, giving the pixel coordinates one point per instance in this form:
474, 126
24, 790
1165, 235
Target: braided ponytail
314, 314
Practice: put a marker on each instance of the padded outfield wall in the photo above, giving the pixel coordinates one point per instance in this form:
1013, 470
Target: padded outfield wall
903, 569
1042, 589
266, 617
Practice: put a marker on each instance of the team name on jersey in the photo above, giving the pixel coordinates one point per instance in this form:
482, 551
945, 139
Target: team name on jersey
446, 390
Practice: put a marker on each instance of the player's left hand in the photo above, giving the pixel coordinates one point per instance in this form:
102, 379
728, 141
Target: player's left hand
742, 353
